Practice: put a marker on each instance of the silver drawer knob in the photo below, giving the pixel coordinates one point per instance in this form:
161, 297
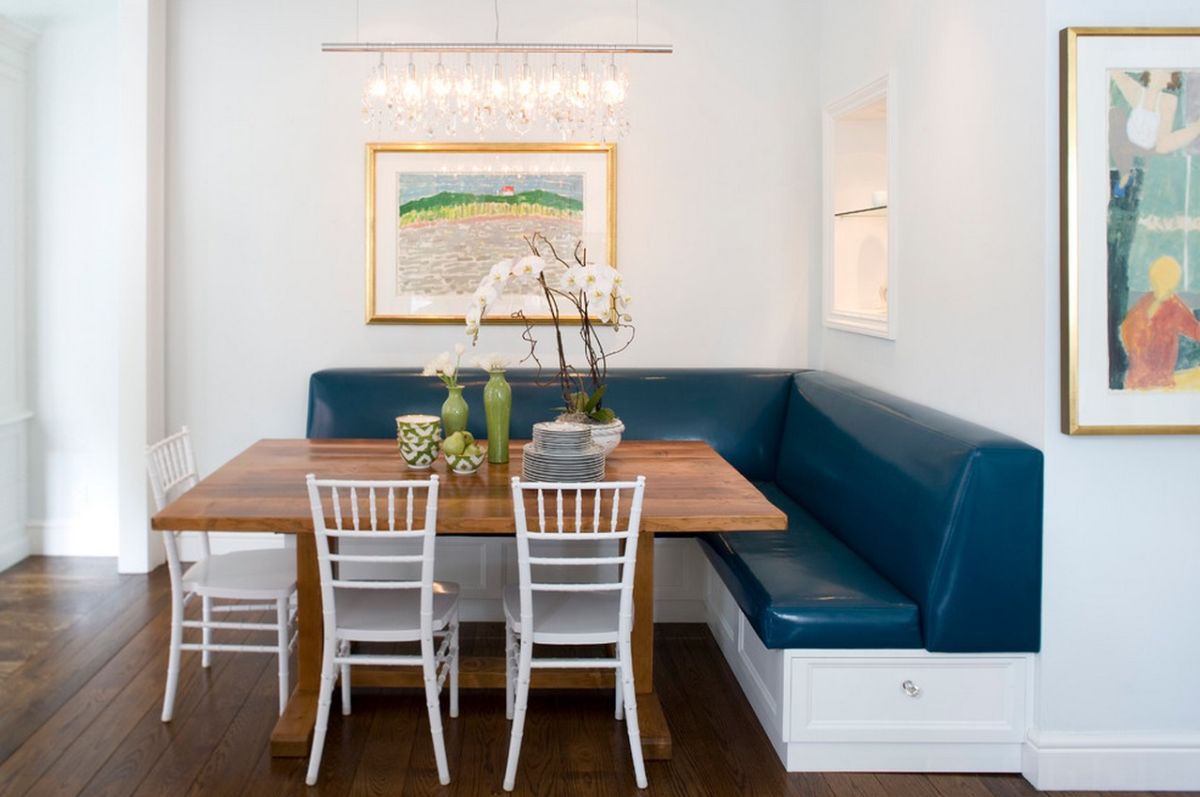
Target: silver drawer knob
911, 689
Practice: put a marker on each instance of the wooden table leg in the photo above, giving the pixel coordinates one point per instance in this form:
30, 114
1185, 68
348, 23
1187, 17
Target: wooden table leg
293, 732
643, 616
656, 735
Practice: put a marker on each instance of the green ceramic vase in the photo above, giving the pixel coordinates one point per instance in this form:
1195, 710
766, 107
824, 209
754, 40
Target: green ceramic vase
497, 405
454, 411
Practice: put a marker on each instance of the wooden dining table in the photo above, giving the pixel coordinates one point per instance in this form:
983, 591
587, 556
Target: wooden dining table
689, 488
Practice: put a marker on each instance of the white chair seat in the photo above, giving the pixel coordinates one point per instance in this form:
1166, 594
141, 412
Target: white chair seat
265, 578
269, 573
567, 617
391, 615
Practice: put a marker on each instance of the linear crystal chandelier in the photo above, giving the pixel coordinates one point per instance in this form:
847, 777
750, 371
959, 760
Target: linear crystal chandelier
574, 89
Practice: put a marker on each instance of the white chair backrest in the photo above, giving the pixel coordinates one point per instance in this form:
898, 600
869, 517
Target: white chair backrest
172, 470
579, 513
172, 467
380, 511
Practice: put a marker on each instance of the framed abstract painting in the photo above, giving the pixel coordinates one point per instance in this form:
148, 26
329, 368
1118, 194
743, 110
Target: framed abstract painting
1131, 230
439, 216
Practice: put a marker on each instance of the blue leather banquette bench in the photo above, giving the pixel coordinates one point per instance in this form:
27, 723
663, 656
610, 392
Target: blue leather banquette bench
908, 528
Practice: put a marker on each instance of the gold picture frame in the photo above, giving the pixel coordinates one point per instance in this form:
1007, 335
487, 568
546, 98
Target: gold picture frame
377, 315
1101, 400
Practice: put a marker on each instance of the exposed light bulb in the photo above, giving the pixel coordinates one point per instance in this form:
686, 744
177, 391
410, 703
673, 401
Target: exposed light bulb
439, 84
412, 86
377, 81
552, 87
611, 90
498, 88
466, 84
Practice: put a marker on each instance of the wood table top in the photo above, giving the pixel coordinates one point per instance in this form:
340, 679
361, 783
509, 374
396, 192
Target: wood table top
689, 488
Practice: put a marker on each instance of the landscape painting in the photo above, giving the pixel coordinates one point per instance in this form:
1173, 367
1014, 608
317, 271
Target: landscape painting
440, 216
1154, 230
451, 228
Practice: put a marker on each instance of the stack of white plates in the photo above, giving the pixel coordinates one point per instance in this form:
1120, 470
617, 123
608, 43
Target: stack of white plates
562, 452
562, 436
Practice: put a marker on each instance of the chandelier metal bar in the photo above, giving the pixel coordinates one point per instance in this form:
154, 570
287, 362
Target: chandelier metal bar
493, 47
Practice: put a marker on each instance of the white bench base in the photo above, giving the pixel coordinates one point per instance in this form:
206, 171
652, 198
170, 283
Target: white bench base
849, 711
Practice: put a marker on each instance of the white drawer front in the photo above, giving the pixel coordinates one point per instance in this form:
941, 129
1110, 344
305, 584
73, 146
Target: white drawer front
923, 698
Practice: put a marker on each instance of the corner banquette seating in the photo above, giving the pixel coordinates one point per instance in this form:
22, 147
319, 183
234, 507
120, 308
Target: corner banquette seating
891, 626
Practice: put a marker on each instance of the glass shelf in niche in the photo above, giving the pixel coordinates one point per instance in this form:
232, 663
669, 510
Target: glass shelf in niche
867, 213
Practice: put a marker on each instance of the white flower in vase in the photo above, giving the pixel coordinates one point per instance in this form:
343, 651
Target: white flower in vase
493, 362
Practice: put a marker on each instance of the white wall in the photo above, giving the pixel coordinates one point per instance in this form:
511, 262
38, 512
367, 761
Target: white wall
72, 257
1121, 599
978, 98
970, 169
265, 165
14, 403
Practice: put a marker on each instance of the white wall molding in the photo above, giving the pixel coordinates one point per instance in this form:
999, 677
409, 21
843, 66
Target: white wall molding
68, 538
13, 549
1063, 761
14, 272
140, 329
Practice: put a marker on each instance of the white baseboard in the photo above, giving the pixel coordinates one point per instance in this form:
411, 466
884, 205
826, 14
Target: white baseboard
14, 549
1058, 761
69, 538
902, 757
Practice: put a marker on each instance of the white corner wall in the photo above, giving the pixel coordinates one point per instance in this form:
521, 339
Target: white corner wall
1119, 696
970, 167
73, 292
14, 403
1116, 695
265, 216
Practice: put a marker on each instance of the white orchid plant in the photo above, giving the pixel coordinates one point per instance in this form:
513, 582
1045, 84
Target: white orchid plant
445, 367
597, 295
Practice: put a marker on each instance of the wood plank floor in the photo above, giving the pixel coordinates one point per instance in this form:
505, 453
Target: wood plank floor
82, 666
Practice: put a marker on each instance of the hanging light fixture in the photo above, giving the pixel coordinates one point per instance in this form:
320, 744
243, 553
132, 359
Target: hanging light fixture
440, 97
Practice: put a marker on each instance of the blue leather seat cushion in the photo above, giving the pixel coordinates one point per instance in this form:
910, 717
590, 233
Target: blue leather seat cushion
804, 588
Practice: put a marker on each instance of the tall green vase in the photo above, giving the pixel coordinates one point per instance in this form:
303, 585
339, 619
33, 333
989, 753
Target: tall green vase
454, 411
497, 405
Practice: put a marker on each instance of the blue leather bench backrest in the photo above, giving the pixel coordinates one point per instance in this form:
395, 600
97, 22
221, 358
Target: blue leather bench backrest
739, 412
949, 512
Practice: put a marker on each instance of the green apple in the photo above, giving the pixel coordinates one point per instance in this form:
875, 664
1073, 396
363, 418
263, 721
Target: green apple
470, 438
454, 444
472, 450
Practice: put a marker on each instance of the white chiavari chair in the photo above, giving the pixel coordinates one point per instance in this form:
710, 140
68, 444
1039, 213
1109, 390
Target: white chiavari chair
258, 575
373, 610
569, 609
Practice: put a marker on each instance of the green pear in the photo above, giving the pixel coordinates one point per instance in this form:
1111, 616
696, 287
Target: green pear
454, 444
473, 450
470, 438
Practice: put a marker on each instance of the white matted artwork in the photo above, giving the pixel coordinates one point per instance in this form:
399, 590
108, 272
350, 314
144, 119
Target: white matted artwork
1131, 231
439, 216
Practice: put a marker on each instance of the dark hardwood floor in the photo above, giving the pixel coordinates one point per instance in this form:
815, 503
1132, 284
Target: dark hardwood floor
82, 664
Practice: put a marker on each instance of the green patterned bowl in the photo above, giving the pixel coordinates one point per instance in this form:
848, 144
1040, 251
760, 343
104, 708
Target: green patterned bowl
465, 463
419, 438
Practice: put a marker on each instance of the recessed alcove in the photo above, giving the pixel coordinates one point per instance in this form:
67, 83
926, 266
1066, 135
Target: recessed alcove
859, 283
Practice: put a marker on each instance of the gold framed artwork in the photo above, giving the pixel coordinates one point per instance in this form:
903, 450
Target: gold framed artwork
1130, 172
439, 216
